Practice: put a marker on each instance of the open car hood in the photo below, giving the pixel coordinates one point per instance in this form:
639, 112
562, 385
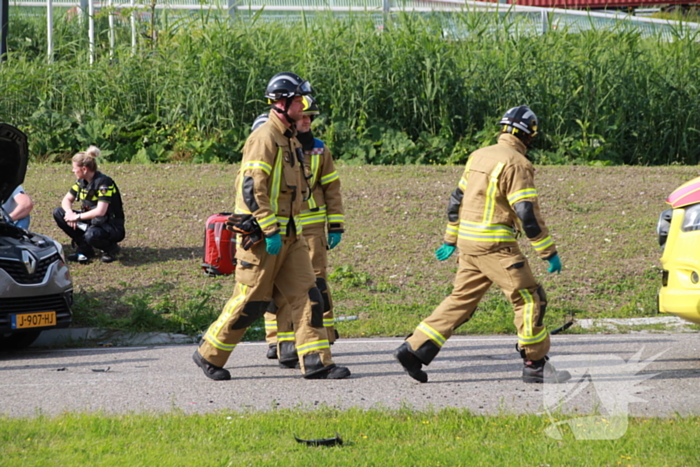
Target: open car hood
14, 155
688, 193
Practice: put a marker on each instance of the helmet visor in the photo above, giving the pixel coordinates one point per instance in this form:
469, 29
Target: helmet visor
303, 89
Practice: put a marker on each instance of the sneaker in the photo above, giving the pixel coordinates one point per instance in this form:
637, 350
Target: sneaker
272, 352
330, 372
410, 363
77, 258
110, 256
211, 371
541, 371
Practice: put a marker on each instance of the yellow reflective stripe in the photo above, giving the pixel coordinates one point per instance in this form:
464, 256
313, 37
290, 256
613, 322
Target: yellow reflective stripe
285, 336
462, 184
528, 312
310, 213
543, 244
242, 211
229, 308
327, 322
542, 335
311, 346
486, 232
451, 230
490, 205
522, 194
315, 164
270, 325
331, 177
313, 220
252, 165
275, 182
336, 218
432, 334
267, 221
463, 181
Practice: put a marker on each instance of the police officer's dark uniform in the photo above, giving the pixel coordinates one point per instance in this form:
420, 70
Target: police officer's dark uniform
104, 232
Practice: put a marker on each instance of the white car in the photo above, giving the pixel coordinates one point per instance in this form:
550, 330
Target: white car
36, 290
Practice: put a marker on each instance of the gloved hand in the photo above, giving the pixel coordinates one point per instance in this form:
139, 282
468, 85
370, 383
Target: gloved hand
554, 264
273, 244
444, 252
333, 239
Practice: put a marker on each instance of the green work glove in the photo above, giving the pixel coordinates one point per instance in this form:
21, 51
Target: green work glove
554, 264
333, 239
273, 244
444, 252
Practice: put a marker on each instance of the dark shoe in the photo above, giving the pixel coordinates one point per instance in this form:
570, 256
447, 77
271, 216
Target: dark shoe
410, 363
111, 255
211, 371
330, 372
540, 371
272, 352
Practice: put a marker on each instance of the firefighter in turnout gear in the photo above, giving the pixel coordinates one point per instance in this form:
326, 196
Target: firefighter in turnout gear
495, 199
323, 225
272, 255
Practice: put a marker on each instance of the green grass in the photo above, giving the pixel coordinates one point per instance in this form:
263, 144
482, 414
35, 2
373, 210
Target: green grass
371, 438
602, 218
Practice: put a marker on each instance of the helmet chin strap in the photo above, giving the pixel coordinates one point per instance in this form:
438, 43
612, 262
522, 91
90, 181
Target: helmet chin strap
285, 111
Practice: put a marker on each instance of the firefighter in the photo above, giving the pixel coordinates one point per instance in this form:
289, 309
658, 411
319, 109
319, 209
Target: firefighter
272, 255
496, 189
323, 225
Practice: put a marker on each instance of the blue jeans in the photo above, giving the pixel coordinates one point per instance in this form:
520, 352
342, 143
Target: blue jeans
22, 223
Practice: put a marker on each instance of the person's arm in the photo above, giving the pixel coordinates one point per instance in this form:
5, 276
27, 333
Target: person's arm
330, 184
100, 210
24, 207
67, 205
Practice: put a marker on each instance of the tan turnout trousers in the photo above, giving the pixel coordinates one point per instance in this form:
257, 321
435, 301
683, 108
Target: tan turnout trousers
508, 269
279, 327
287, 275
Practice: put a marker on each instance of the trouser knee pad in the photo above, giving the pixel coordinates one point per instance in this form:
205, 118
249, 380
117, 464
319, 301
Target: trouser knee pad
316, 307
427, 352
322, 287
251, 311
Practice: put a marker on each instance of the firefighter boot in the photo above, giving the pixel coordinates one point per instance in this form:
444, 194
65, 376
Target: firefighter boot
541, 371
272, 352
315, 369
211, 371
288, 355
410, 363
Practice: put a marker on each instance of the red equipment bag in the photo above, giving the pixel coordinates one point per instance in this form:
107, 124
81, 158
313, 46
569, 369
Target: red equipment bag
219, 246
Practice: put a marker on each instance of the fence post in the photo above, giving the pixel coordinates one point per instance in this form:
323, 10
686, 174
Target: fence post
232, 9
386, 10
49, 30
4, 23
132, 4
545, 21
91, 30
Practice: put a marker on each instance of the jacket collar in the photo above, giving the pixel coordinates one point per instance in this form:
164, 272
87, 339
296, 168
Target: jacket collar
281, 127
513, 142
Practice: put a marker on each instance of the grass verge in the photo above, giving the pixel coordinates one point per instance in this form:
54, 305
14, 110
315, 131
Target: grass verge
371, 438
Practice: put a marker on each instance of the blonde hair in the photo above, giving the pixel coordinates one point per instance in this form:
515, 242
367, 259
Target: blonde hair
88, 158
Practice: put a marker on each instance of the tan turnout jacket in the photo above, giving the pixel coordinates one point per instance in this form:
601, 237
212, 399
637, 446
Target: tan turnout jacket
326, 204
496, 197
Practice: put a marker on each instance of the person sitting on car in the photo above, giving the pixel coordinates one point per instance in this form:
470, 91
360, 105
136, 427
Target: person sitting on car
100, 221
17, 207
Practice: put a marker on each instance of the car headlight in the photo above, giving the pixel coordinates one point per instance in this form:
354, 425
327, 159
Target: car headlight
59, 247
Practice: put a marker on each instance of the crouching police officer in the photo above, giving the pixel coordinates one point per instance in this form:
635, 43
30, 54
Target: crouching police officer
100, 222
273, 256
323, 225
496, 188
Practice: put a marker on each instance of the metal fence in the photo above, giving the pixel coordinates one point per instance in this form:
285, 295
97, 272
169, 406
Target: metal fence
531, 20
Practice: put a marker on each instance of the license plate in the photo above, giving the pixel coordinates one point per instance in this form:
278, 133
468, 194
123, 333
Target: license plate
34, 320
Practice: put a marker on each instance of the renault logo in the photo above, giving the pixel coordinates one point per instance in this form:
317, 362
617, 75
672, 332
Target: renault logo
29, 261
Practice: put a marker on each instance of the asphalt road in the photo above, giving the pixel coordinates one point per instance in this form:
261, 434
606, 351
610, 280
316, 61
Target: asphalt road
481, 374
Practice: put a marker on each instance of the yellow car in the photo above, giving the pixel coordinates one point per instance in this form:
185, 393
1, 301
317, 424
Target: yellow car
679, 236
